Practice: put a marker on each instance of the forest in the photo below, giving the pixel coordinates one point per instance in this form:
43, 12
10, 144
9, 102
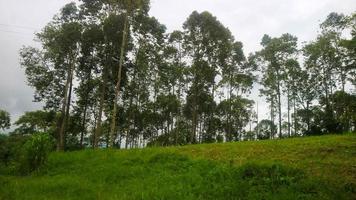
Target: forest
109, 75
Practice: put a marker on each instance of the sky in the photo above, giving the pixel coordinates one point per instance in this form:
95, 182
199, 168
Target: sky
248, 20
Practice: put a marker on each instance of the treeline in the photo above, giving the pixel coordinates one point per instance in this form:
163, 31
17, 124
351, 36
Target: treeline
110, 75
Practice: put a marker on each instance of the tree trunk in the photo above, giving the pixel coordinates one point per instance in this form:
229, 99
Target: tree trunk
229, 115
117, 88
69, 101
288, 102
295, 116
272, 118
85, 113
100, 114
61, 141
279, 110
194, 120
308, 118
83, 126
257, 127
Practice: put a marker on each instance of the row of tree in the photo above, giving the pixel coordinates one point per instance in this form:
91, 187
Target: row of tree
109, 74
329, 67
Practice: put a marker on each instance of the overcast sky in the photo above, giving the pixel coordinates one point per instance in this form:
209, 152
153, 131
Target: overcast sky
248, 20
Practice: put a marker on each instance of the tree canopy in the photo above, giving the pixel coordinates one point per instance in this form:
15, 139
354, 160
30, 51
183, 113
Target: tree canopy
109, 74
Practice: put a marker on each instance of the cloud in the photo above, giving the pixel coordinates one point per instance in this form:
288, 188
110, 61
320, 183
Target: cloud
248, 20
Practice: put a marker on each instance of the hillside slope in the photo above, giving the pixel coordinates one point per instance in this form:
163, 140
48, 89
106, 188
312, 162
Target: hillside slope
300, 168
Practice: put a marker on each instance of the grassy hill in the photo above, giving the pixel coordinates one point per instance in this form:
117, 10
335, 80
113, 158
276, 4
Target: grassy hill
300, 168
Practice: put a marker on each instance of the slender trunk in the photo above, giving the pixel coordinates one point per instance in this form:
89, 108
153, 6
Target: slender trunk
288, 102
117, 88
119, 142
308, 117
100, 114
229, 115
326, 88
295, 116
126, 140
155, 102
98, 130
194, 112
279, 110
272, 118
83, 132
209, 131
63, 119
168, 122
195, 94
69, 100
83, 126
94, 129
194, 120
343, 81
258, 128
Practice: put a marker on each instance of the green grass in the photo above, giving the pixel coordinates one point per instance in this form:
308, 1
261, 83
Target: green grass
300, 168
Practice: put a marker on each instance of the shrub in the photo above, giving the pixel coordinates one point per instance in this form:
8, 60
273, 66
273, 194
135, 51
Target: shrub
35, 152
10, 152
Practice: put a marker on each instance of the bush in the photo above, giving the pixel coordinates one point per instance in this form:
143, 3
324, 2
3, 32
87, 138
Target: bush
35, 152
10, 152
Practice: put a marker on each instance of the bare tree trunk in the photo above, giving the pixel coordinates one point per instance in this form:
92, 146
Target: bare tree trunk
85, 112
295, 116
83, 126
69, 100
308, 117
70, 71
120, 140
257, 127
272, 118
229, 115
126, 140
117, 88
94, 129
100, 114
288, 102
279, 110
60, 145
194, 120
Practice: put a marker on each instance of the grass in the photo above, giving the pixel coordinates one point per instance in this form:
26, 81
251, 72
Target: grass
299, 168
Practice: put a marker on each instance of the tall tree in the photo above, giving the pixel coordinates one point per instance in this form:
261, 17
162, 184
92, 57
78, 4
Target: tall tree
51, 71
275, 54
238, 79
207, 43
130, 9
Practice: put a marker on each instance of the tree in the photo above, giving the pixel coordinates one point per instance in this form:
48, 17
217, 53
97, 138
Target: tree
275, 54
238, 79
4, 120
265, 128
306, 93
332, 29
344, 108
51, 70
350, 45
320, 62
36, 121
234, 114
93, 62
292, 78
207, 43
131, 8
